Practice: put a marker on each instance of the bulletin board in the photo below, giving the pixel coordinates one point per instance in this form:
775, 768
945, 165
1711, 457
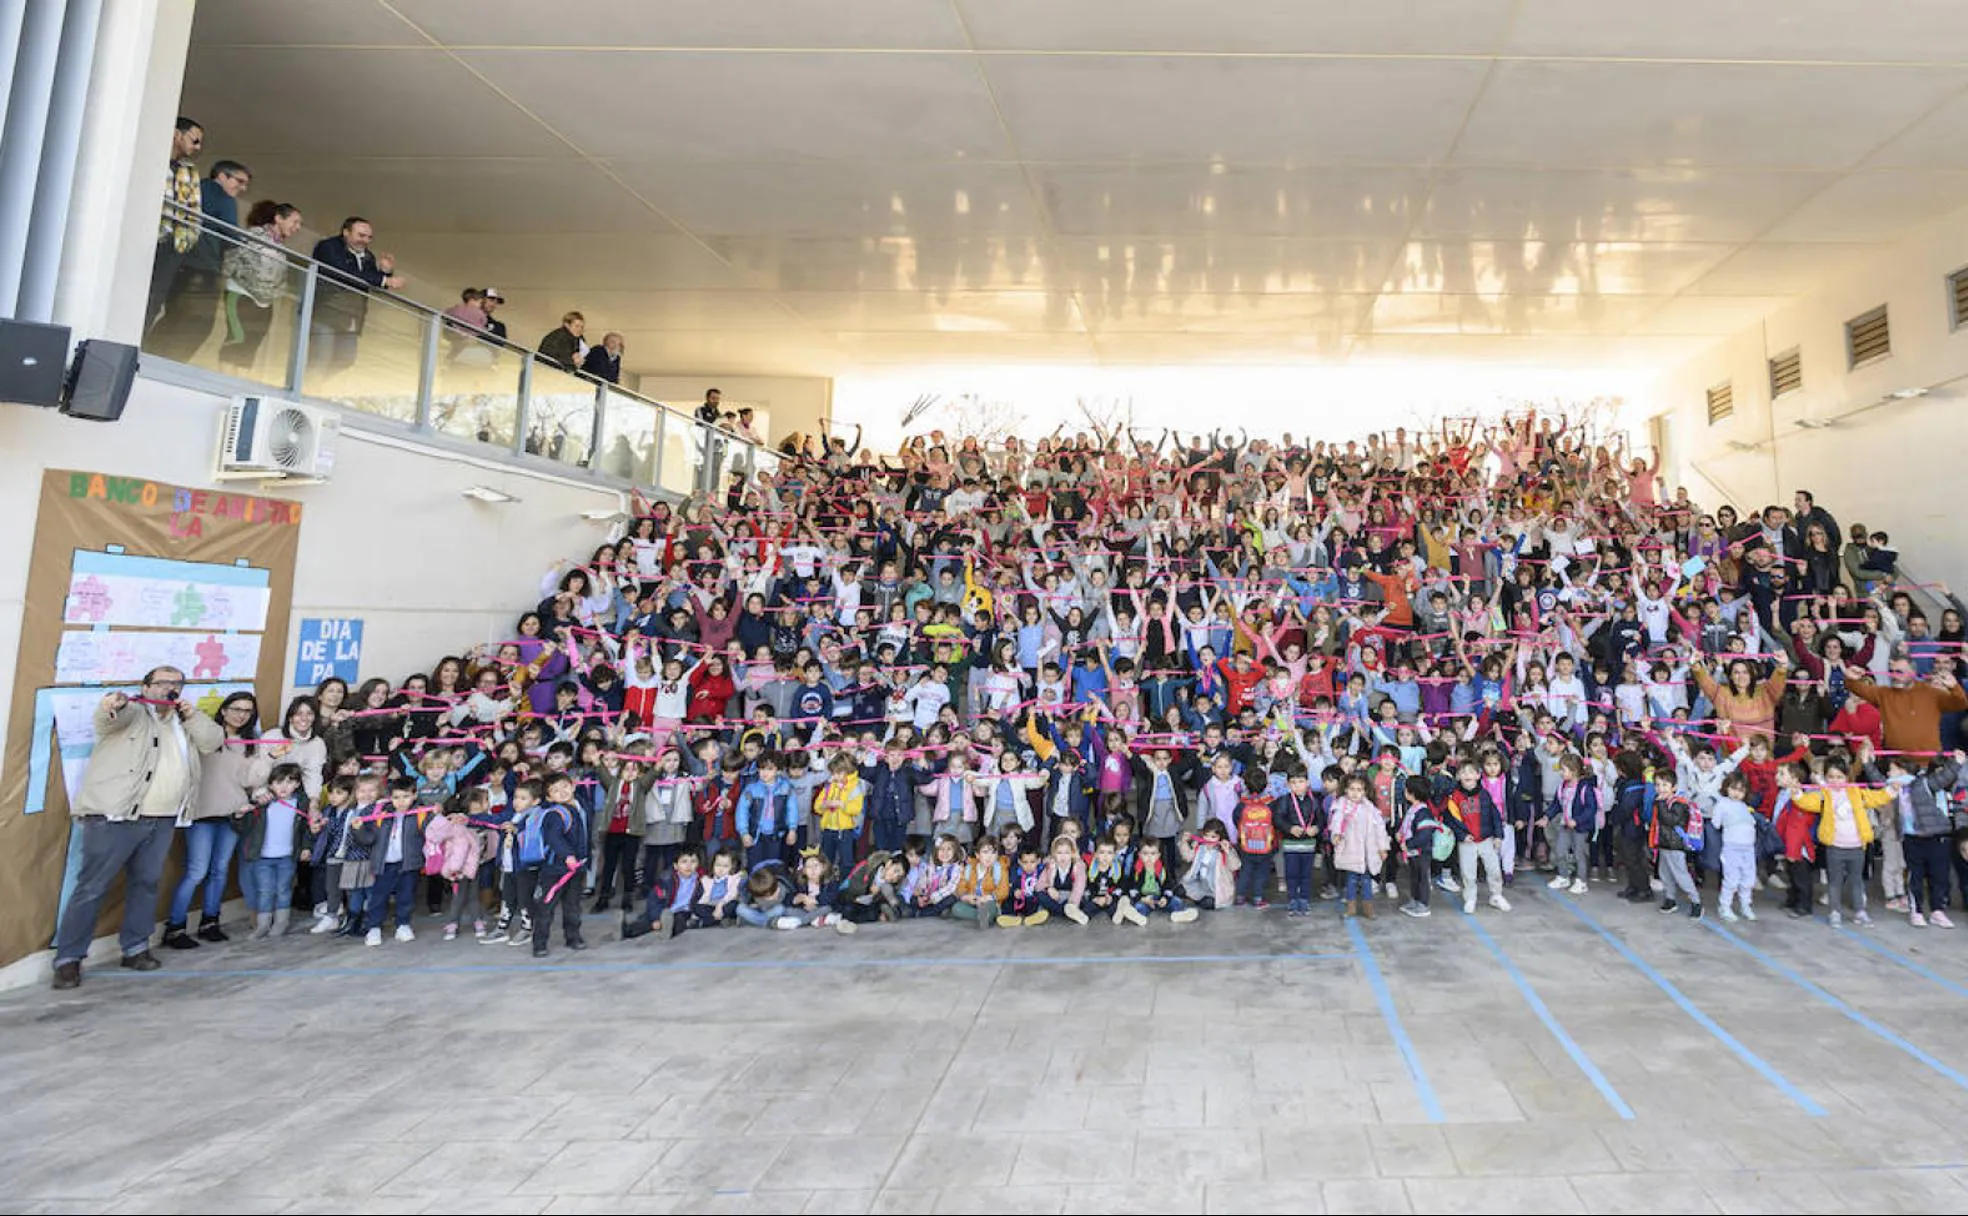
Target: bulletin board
126, 574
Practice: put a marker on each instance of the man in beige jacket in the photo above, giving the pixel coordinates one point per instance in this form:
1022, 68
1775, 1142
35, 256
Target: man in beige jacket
143, 772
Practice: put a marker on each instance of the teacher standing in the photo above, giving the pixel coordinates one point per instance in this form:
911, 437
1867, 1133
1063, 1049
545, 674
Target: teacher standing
142, 775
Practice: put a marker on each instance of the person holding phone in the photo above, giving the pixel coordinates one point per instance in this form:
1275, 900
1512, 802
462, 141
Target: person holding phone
142, 775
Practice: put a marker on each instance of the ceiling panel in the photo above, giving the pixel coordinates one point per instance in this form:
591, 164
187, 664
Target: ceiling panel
1334, 27
839, 199
1938, 141
1874, 206
302, 23
974, 312
964, 349
1696, 316
687, 23
1612, 204
531, 264
1835, 30
689, 310
1552, 267
1514, 313
1539, 351
494, 196
967, 263
1618, 115
382, 102
1281, 111
770, 105
1775, 269
1171, 199
1221, 265
1270, 317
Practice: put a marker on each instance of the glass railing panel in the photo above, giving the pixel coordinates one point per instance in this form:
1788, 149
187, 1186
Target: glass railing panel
561, 415
475, 388
364, 350
683, 446
628, 439
227, 305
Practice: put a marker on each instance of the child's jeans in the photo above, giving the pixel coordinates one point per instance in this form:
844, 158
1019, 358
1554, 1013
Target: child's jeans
838, 848
1845, 877
760, 918
933, 908
1571, 852
1738, 873
1421, 876
1167, 901
273, 883
1927, 872
1675, 877
1358, 887
1057, 904
769, 847
1254, 878
1298, 875
393, 881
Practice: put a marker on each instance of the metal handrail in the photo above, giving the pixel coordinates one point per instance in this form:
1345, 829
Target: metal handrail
743, 454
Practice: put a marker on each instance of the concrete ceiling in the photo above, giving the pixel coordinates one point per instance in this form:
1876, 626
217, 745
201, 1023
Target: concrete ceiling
831, 186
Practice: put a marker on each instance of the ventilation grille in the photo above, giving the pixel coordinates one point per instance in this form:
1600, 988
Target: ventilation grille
1958, 298
1721, 402
1786, 373
1868, 337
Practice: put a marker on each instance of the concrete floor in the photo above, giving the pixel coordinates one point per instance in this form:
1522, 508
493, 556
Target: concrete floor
1569, 1056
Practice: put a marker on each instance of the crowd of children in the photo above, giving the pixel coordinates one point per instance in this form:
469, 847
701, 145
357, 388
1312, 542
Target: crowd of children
1110, 678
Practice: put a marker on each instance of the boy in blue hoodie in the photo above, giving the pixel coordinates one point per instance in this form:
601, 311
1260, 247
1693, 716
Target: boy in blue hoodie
554, 845
768, 814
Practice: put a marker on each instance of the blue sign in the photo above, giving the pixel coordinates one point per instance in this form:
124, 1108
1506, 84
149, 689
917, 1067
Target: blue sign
330, 646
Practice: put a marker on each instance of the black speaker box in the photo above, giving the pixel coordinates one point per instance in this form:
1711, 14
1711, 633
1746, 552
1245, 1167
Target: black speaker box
33, 362
99, 385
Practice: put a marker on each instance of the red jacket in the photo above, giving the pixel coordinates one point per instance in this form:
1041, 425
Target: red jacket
708, 695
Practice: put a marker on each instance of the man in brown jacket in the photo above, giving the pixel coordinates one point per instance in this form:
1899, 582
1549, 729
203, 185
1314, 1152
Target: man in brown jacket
143, 772
1909, 710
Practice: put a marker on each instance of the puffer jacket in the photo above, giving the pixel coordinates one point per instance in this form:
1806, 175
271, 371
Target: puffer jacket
1924, 798
460, 843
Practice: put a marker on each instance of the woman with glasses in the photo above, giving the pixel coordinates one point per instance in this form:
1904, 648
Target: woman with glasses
226, 782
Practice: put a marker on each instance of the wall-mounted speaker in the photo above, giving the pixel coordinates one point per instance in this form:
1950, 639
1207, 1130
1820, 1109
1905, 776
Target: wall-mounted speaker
33, 362
99, 384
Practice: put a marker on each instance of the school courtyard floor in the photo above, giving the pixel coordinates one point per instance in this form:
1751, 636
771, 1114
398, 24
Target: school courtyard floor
1571, 1056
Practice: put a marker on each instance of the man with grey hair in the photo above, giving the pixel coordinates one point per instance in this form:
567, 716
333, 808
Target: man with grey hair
142, 774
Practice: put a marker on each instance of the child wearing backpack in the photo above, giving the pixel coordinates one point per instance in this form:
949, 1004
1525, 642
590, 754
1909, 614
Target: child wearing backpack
1570, 823
1301, 819
1425, 844
1257, 840
1677, 832
1927, 825
1359, 837
553, 844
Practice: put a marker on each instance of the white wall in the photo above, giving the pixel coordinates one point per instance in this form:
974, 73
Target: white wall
1896, 466
390, 539
793, 403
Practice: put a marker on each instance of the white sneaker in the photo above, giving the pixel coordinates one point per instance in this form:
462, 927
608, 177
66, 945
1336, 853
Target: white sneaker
373, 938
1133, 913
1729, 916
1837, 918
1469, 907
786, 922
1120, 912
1656, 884
1578, 886
1448, 883
1749, 913
1393, 890
1559, 883
1075, 914
1498, 902
843, 926
323, 923
404, 933
450, 933
1180, 918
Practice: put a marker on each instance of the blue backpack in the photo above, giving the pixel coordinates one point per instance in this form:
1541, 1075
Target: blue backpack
532, 841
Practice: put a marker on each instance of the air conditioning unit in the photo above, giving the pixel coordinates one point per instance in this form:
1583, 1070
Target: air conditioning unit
271, 439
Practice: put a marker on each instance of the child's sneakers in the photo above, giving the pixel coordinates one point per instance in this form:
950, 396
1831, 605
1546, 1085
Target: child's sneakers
1042, 916
1469, 905
1415, 908
1007, 921
1862, 919
1261, 904
1916, 920
478, 929
404, 933
373, 938
1498, 902
1896, 904
786, 922
1578, 886
1131, 913
1183, 917
1836, 918
1749, 913
1559, 883
845, 927
1076, 914
324, 923
450, 933
1120, 912
1939, 919
1447, 882
1728, 917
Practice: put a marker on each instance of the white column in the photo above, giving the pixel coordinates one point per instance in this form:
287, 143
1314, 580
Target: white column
22, 137
119, 175
55, 184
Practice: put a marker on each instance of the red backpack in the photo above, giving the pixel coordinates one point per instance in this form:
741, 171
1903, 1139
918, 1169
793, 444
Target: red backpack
1256, 833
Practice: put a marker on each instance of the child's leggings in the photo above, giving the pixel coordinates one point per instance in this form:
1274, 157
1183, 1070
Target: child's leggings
1571, 852
1845, 877
1421, 876
1738, 873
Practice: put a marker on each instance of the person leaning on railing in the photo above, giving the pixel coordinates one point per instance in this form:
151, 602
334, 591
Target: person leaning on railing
350, 270
255, 274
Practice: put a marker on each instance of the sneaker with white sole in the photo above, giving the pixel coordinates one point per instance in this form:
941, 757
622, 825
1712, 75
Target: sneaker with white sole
1559, 883
324, 923
1448, 883
1469, 907
1939, 919
1749, 913
1578, 886
1120, 912
450, 933
1183, 917
404, 933
1862, 918
1729, 917
1134, 914
1916, 920
373, 938
845, 927
1836, 918
786, 922
1414, 908
1498, 902
1076, 914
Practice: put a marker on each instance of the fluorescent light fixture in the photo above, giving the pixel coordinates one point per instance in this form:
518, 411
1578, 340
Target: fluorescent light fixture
1813, 424
488, 494
1738, 445
602, 514
1907, 394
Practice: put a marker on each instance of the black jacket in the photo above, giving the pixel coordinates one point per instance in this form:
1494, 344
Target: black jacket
602, 365
562, 347
346, 278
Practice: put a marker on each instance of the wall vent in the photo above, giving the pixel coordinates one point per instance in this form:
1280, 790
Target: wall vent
1786, 373
1868, 337
1957, 284
1721, 402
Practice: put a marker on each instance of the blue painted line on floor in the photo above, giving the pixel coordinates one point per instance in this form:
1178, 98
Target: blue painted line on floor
1544, 1014
1880, 1031
828, 964
1887, 952
1757, 1063
1430, 1104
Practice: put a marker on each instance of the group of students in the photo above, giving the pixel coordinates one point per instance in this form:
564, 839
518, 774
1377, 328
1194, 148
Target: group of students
1112, 677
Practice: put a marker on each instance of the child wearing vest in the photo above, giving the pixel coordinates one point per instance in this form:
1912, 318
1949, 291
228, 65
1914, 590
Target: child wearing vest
837, 807
1257, 840
1844, 818
1473, 814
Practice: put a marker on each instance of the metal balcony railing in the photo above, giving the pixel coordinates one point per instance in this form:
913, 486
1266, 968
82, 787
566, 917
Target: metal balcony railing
254, 310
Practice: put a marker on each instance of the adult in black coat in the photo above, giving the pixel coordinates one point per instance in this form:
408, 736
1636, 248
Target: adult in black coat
349, 271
